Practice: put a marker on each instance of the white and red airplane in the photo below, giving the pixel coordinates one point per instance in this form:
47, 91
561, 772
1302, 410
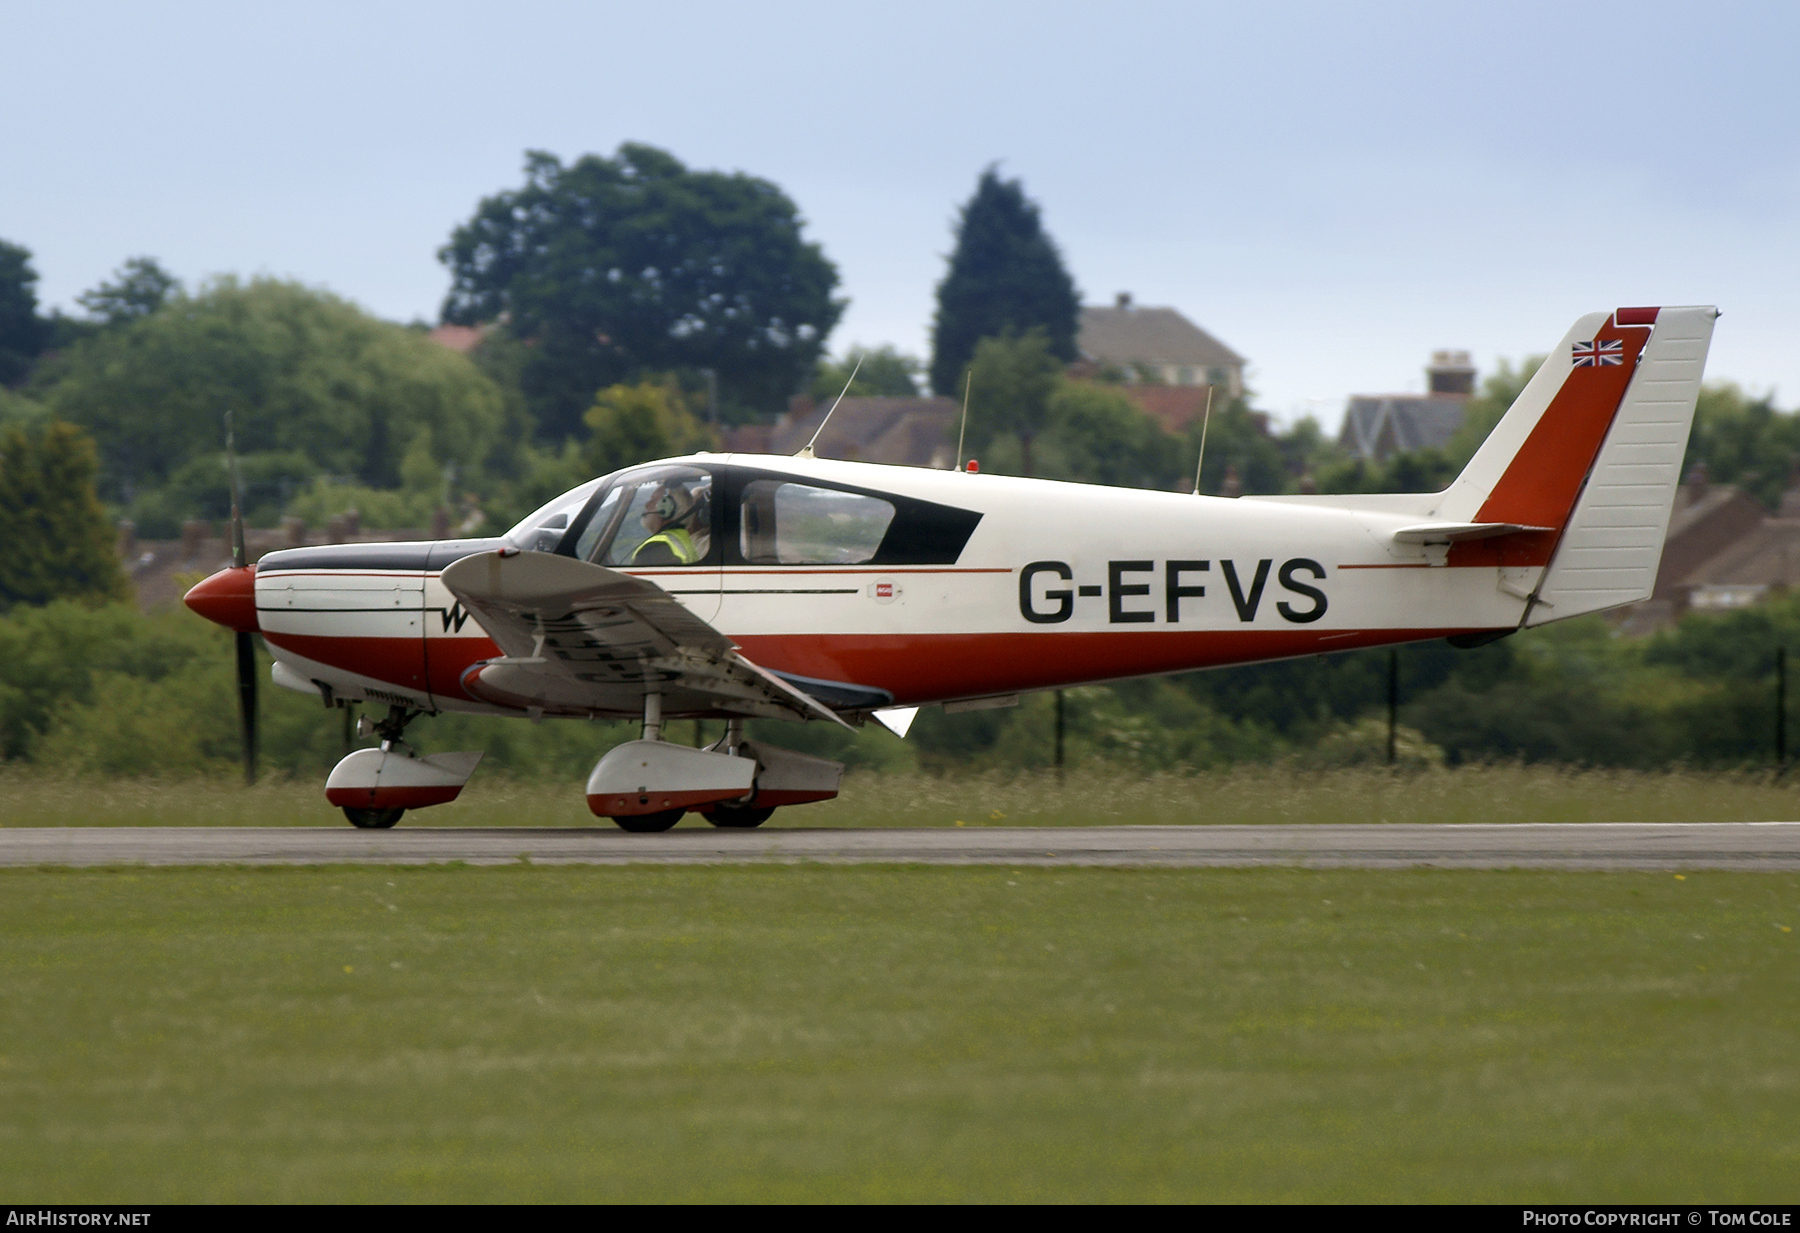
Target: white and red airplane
732, 586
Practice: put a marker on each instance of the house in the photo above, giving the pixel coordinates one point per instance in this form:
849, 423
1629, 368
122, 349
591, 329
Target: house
897, 430
1724, 550
459, 338
1168, 364
162, 570
1378, 426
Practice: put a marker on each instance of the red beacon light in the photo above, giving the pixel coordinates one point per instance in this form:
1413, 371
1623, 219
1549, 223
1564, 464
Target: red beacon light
973, 467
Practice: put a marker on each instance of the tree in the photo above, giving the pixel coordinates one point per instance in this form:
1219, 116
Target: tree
613, 268
879, 371
1005, 276
1097, 435
1010, 380
1745, 441
60, 544
641, 423
317, 385
21, 331
138, 288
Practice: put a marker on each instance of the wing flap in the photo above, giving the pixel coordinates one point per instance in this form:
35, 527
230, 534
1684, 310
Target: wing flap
582, 639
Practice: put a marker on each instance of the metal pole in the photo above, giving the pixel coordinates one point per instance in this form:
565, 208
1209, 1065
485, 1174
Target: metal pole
1780, 710
1393, 701
1059, 735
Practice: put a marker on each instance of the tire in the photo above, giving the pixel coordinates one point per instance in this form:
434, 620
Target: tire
647, 823
740, 816
372, 819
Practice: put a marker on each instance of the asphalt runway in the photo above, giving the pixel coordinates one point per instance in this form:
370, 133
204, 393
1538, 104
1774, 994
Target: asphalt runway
1724, 845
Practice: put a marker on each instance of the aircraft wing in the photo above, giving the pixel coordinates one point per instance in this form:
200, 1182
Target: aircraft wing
580, 639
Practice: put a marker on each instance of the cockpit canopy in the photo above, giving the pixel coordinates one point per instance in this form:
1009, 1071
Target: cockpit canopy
683, 514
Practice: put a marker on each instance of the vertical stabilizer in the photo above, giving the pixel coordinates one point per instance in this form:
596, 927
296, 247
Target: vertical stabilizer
1530, 468
1612, 544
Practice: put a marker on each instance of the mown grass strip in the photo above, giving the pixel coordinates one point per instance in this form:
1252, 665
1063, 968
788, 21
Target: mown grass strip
1243, 795
779, 1033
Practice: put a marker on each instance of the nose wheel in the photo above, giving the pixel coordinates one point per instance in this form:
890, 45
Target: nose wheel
372, 819
648, 823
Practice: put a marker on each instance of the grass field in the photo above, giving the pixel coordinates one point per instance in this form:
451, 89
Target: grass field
781, 1033
1089, 798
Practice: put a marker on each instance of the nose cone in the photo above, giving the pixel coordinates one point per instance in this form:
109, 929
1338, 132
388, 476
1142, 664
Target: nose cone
228, 597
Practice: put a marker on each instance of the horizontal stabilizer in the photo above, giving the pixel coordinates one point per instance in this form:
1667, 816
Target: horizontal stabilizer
1451, 532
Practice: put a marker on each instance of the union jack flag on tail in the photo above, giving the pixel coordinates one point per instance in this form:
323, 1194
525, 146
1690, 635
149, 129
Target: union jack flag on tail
1599, 352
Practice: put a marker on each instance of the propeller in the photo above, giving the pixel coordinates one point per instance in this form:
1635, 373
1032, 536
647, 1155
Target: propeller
246, 640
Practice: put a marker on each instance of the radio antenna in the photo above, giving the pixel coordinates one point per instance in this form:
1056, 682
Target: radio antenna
963, 431
1205, 420
806, 451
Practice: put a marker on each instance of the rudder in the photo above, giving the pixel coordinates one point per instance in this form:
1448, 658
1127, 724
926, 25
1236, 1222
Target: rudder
1612, 543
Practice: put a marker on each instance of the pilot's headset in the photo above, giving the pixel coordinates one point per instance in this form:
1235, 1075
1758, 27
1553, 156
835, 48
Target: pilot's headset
673, 503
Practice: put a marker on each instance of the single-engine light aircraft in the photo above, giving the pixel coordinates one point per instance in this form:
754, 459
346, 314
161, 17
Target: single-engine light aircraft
733, 586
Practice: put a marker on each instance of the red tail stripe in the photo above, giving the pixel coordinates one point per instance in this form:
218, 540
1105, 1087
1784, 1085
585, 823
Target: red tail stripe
1541, 483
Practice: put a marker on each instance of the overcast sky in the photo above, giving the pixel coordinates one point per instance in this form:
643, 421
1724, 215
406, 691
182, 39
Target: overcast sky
1332, 190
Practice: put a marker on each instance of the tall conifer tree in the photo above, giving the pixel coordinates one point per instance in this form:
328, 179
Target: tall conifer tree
21, 330
60, 544
1005, 278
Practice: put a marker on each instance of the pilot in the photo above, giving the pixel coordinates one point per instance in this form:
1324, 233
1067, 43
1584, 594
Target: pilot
679, 520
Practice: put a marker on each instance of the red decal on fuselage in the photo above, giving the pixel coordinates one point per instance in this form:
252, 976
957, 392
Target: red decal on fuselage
920, 668
399, 661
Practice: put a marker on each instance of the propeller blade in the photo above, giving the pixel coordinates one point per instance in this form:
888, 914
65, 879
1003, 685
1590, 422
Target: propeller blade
239, 558
246, 641
246, 673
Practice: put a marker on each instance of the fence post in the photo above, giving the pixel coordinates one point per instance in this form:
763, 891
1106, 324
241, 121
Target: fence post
1393, 701
1780, 710
1059, 736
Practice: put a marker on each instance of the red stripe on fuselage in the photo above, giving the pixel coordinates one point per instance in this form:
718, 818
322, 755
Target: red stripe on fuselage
919, 668
399, 661
915, 668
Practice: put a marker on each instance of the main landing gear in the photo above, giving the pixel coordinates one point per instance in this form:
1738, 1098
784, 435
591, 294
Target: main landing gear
375, 787
643, 786
646, 785
372, 819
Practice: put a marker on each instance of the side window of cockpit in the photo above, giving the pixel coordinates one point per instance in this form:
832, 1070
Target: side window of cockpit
784, 523
657, 517
597, 525
547, 534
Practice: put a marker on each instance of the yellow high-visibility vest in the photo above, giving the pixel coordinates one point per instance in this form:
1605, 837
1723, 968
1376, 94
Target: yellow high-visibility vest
678, 541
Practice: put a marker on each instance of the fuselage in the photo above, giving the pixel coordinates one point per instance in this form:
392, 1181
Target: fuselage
926, 586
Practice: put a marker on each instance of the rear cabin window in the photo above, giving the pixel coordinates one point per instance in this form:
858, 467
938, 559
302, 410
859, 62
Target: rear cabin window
785, 523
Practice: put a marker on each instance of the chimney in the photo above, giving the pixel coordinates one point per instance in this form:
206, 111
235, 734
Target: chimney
193, 533
1450, 372
1123, 300
1698, 480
